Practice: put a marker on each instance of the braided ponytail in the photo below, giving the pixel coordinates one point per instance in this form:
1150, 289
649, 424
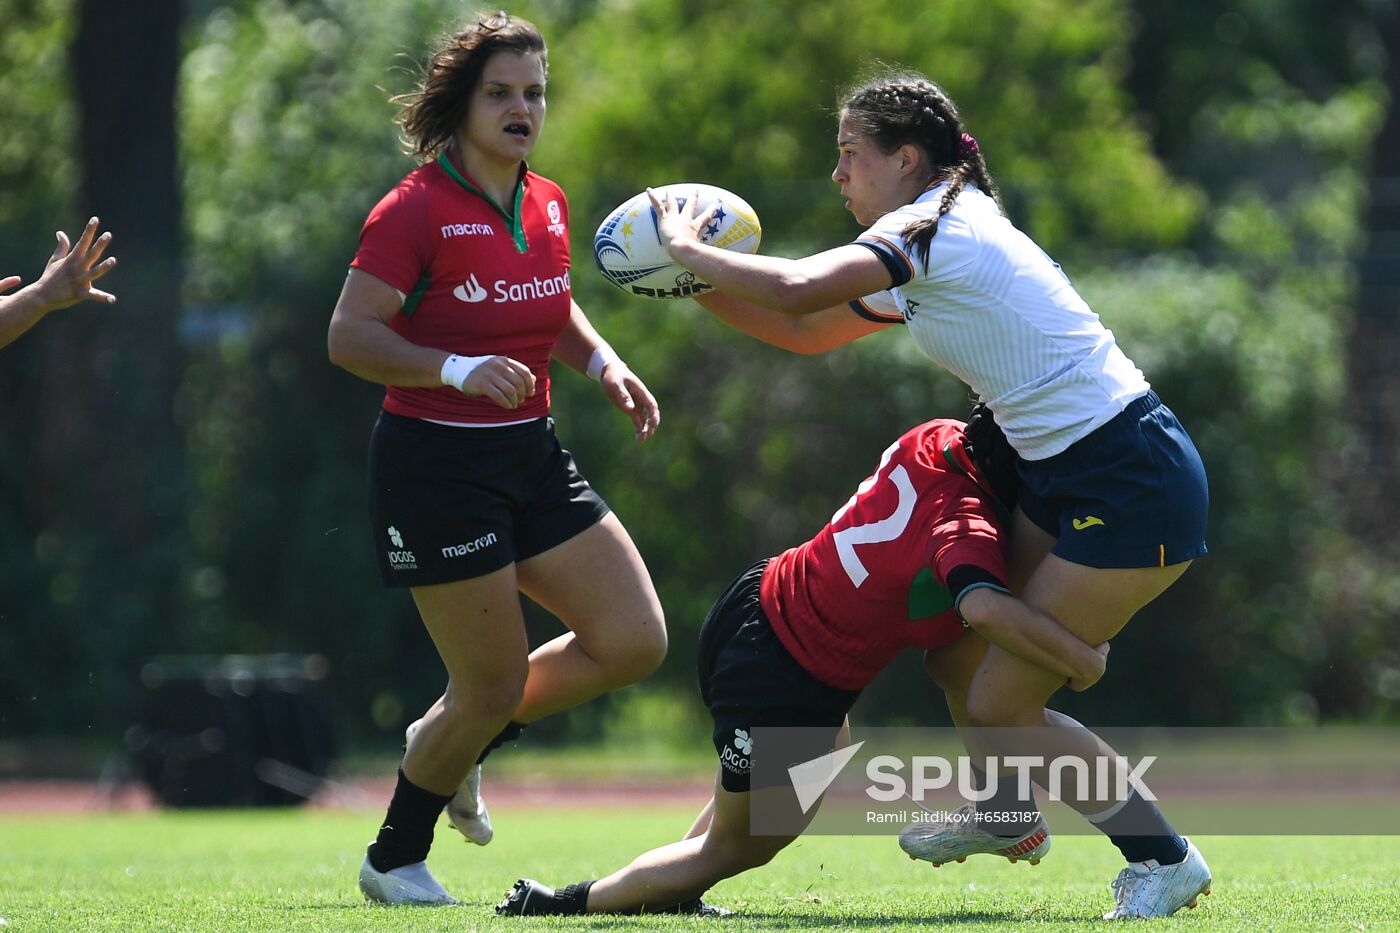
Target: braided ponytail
901, 108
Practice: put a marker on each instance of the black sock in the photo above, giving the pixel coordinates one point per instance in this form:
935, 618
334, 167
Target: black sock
509, 734
1012, 816
1141, 832
407, 833
574, 898
564, 902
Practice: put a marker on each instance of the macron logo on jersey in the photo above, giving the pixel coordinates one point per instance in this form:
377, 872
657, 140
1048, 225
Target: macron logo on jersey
451, 230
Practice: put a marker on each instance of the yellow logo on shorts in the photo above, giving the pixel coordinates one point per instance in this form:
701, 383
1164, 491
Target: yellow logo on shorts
1087, 521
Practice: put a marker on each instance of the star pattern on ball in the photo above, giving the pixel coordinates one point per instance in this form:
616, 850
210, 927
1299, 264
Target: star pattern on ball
712, 230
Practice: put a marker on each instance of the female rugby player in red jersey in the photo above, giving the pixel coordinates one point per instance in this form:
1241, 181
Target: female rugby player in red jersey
456, 300
912, 558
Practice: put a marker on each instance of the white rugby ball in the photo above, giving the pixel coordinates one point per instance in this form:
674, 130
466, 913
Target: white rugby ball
630, 255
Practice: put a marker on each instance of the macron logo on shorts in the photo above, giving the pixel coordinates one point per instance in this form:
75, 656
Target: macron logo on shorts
470, 547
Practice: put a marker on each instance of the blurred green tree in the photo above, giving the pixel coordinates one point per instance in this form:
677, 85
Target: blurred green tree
95, 461
1286, 116
1206, 198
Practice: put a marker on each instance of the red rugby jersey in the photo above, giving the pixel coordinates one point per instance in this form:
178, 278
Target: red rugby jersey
873, 581
478, 283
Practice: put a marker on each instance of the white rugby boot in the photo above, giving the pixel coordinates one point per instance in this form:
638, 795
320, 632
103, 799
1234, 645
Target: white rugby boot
1147, 889
410, 885
960, 835
466, 809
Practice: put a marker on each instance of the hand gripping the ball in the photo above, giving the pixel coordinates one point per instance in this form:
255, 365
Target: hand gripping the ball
632, 252
676, 221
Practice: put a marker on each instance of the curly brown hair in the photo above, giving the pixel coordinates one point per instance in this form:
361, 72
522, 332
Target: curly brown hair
432, 114
896, 108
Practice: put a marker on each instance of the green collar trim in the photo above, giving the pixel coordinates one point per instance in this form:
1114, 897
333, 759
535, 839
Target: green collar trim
513, 219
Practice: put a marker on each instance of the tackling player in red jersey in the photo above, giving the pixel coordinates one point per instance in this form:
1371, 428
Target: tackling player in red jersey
456, 301
914, 559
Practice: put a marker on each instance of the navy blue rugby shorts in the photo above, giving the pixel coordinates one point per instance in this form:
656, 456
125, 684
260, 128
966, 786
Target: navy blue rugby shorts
1130, 494
449, 503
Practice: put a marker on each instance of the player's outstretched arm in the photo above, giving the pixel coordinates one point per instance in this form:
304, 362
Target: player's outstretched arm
1033, 636
807, 333
67, 280
793, 286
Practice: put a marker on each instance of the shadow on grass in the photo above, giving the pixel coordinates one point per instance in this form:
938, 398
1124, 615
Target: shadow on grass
846, 921
770, 920
774, 920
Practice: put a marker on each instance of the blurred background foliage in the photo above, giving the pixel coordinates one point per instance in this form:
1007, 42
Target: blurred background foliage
1206, 172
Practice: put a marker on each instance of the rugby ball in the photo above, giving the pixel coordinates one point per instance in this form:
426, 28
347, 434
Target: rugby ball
629, 253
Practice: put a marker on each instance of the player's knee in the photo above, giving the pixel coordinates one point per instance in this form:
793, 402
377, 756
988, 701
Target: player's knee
987, 708
641, 652
650, 649
491, 701
735, 853
502, 700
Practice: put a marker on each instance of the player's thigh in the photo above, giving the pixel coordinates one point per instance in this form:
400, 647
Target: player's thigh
1092, 603
598, 585
1030, 544
479, 632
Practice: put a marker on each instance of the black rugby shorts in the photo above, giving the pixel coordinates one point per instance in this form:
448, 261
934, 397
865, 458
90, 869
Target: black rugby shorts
747, 679
450, 503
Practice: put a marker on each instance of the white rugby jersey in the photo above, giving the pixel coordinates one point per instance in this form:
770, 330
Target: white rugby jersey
996, 311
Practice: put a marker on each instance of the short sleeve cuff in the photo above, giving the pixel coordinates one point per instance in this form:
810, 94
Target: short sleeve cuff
865, 311
898, 265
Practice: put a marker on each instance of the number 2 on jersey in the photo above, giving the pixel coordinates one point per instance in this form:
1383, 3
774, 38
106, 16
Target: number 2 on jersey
886, 529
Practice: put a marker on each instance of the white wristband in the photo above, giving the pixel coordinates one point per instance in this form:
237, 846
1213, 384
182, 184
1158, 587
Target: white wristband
456, 369
600, 360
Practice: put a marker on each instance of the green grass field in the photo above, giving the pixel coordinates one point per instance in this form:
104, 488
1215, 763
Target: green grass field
295, 870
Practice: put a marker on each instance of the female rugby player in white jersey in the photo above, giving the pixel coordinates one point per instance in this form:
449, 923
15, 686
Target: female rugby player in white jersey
456, 300
1113, 493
